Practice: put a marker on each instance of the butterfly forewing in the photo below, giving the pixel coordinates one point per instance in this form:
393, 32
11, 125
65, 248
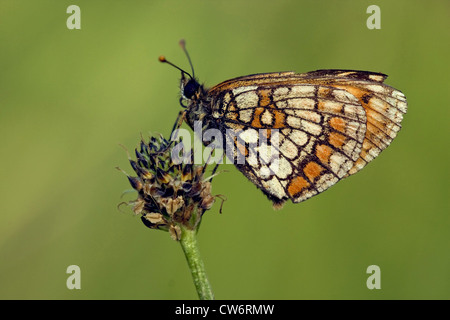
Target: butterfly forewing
384, 107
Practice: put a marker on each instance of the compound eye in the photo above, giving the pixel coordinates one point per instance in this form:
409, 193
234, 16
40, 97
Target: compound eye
190, 88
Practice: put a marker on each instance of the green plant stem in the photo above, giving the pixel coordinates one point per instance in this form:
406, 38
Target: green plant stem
190, 248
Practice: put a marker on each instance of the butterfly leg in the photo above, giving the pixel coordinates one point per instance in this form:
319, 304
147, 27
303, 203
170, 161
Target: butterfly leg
177, 125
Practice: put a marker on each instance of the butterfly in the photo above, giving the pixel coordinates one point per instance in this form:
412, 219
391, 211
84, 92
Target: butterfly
328, 124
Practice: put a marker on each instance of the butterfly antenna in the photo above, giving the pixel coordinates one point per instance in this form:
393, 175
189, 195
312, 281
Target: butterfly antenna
164, 60
183, 46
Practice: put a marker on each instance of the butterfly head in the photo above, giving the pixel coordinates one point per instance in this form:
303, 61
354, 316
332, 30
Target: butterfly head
189, 86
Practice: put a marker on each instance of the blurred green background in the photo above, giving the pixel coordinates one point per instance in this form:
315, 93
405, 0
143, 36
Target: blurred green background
68, 98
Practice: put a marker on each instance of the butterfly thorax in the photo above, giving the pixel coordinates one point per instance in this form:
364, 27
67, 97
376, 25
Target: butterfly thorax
198, 106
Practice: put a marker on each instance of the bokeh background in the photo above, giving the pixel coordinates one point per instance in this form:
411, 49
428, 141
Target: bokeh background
68, 98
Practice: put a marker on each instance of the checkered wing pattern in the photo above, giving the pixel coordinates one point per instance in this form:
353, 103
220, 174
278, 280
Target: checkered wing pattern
384, 107
328, 124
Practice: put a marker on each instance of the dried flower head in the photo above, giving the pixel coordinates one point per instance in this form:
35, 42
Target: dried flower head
169, 194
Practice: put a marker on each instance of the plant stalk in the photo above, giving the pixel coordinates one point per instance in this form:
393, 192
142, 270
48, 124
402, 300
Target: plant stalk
188, 242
